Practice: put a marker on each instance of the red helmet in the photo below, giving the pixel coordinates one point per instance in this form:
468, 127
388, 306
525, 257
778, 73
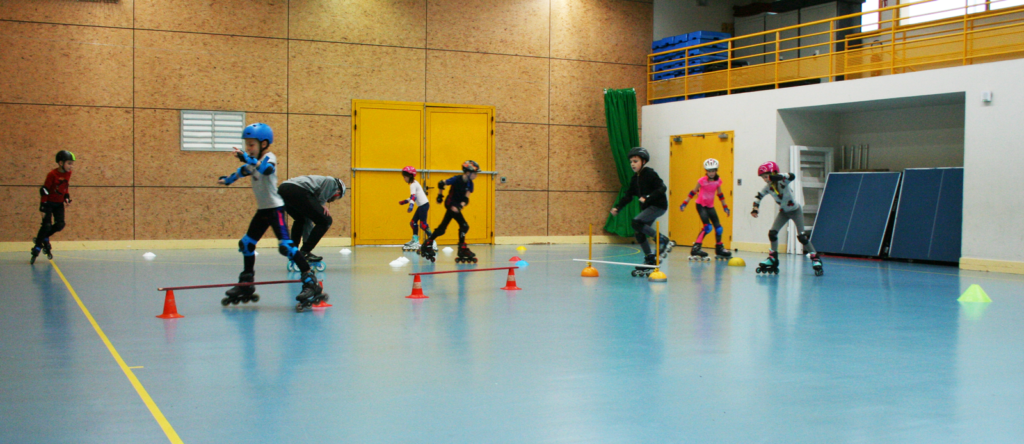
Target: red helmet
409, 170
768, 167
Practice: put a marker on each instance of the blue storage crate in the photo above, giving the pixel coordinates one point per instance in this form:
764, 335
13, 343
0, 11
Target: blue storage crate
706, 36
720, 49
669, 65
697, 61
667, 42
669, 75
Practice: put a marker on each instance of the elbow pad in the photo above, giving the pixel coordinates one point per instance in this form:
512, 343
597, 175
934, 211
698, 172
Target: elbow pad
265, 167
43, 192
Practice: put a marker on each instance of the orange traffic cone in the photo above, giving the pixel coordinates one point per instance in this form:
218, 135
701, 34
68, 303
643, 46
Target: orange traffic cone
170, 308
510, 283
322, 304
417, 289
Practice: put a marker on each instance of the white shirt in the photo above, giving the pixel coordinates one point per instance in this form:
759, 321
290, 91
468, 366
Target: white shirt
265, 187
416, 190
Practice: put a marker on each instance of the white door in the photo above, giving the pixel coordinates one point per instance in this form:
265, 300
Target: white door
811, 165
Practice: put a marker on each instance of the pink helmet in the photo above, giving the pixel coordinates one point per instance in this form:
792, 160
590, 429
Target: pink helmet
410, 170
768, 167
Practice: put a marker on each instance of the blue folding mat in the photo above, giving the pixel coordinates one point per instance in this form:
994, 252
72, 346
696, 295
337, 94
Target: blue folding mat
929, 216
854, 213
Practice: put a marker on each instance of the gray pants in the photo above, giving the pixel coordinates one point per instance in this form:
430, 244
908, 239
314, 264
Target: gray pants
643, 225
798, 220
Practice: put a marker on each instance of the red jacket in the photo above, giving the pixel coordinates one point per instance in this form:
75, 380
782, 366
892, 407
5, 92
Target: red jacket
57, 186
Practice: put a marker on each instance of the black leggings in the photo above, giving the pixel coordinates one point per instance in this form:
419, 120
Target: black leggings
53, 221
263, 219
708, 215
302, 206
448, 216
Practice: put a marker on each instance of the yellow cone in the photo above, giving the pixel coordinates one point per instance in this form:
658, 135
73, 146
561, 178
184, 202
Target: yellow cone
521, 248
974, 293
657, 276
737, 262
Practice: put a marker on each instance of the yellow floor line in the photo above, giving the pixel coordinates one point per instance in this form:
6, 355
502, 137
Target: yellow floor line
160, 419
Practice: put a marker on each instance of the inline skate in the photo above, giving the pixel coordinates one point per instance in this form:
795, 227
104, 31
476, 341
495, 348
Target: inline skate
697, 255
465, 256
650, 259
819, 269
311, 293
721, 253
241, 293
770, 265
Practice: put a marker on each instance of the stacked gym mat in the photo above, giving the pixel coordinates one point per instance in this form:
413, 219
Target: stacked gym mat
929, 216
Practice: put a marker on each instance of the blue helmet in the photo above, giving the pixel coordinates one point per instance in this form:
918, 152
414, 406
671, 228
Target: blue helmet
259, 131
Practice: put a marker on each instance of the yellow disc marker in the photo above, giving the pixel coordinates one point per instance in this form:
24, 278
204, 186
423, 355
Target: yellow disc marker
737, 262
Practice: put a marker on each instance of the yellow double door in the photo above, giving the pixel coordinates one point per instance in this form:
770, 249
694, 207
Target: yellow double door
435, 139
688, 153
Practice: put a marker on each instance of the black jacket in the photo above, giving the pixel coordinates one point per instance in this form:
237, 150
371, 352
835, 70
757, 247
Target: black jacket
647, 184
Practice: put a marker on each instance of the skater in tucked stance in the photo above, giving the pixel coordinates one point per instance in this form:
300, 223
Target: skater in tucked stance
705, 191
305, 200
54, 195
418, 200
458, 199
260, 165
648, 187
789, 210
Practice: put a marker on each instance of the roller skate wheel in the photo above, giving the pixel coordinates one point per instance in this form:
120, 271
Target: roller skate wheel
299, 307
634, 273
235, 301
49, 256
320, 266
819, 272
225, 301
255, 298
474, 260
326, 297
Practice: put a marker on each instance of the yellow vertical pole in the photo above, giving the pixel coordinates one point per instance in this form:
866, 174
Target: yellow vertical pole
964, 61
728, 70
590, 271
657, 275
831, 49
777, 34
892, 40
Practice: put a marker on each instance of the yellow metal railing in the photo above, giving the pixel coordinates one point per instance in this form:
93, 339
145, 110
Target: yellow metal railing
842, 51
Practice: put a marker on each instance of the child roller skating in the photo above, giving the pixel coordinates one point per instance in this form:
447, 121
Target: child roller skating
705, 191
311, 294
261, 166
305, 200
458, 199
418, 200
648, 187
54, 195
789, 210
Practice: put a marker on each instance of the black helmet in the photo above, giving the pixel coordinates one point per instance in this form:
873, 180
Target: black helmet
470, 166
64, 155
640, 152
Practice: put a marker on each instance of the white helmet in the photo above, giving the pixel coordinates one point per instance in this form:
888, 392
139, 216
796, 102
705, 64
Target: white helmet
711, 164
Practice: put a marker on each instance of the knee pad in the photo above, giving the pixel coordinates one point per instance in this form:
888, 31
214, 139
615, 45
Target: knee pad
707, 228
412, 224
803, 238
718, 230
58, 226
247, 246
464, 227
773, 235
423, 225
287, 248
47, 225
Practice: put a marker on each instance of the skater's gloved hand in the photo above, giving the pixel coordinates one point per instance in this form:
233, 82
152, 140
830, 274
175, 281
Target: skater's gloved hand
411, 206
440, 197
727, 211
67, 199
682, 206
42, 207
403, 201
754, 213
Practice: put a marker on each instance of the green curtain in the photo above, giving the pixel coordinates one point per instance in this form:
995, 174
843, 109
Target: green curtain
623, 135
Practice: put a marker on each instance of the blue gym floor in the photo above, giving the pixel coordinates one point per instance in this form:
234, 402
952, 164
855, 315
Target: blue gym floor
872, 352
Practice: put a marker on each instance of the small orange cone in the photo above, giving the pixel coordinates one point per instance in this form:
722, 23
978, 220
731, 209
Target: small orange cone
417, 289
170, 308
510, 283
322, 304
515, 259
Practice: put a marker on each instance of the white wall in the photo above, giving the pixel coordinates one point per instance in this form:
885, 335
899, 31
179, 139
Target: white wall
993, 143
925, 137
674, 17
